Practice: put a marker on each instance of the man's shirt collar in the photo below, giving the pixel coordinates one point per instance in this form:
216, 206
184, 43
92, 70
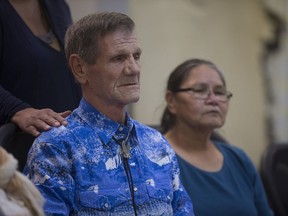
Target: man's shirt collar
103, 125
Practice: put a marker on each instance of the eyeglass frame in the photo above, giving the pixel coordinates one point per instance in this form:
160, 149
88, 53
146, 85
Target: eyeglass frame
228, 94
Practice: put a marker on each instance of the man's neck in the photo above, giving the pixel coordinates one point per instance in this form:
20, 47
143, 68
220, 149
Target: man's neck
115, 113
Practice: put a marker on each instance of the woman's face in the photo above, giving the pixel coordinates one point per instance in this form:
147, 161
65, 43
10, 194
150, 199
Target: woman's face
205, 105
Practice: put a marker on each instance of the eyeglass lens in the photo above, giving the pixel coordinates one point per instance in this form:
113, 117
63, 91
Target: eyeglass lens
204, 91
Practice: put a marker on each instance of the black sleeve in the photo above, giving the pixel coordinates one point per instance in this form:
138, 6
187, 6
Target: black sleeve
9, 105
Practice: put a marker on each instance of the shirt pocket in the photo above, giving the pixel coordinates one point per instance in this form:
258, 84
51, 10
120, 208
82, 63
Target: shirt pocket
105, 199
161, 191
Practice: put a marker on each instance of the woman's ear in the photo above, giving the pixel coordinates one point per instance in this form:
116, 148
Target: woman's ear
170, 100
77, 66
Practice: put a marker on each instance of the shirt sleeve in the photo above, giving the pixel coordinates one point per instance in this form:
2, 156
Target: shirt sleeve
182, 204
49, 169
260, 198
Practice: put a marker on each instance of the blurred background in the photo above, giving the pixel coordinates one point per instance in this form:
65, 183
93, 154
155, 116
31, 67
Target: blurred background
247, 39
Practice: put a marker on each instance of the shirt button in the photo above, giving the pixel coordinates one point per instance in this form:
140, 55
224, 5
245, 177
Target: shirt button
135, 189
120, 128
106, 205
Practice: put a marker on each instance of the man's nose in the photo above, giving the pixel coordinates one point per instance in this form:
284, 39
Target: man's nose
132, 66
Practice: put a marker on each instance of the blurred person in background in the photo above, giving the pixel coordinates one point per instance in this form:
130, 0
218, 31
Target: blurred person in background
219, 177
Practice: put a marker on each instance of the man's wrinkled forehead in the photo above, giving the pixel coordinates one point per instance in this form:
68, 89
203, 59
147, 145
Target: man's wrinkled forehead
120, 39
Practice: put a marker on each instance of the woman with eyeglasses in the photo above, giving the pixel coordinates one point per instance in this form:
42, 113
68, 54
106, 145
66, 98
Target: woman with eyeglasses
219, 177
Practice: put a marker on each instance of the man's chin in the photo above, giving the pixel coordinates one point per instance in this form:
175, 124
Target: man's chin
128, 100
134, 100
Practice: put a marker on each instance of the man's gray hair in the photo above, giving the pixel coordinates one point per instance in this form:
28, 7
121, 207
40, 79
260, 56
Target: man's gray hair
82, 37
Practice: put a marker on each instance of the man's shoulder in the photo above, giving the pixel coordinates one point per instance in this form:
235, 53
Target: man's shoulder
146, 128
73, 128
235, 153
150, 136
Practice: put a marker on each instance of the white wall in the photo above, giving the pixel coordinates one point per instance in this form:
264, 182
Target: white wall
229, 33
81, 8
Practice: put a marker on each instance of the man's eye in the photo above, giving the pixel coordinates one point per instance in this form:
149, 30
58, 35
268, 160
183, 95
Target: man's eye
119, 58
137, 56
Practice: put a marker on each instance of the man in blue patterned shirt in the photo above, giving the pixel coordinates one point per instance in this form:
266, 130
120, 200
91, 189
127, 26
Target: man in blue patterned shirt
104, 162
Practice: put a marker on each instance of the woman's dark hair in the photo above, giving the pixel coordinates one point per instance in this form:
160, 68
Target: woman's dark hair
176, 78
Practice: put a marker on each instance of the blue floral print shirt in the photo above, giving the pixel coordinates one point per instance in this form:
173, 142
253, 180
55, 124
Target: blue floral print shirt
80, 171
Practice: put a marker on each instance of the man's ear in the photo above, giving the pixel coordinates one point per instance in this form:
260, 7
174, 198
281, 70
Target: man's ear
77, 66
170, 100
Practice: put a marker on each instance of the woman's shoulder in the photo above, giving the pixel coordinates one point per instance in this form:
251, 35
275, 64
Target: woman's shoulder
59, 3
228, 147
232, 151
234, 154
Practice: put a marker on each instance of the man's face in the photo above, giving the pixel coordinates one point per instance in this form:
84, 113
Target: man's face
114, 78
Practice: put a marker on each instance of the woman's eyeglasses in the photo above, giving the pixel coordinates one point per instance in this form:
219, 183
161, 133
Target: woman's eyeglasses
204, 92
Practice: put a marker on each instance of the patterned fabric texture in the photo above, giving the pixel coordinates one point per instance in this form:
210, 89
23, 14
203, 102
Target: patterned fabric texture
79, 169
